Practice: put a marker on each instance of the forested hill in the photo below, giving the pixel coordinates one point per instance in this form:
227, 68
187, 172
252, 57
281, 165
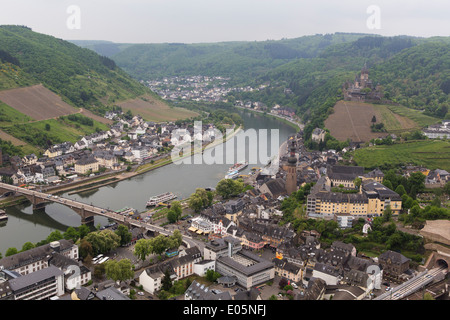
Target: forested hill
307, 73
238, 60
80, 76
412, 71
419, 77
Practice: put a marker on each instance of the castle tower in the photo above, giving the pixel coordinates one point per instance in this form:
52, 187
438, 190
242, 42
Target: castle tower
291, 170
364, 76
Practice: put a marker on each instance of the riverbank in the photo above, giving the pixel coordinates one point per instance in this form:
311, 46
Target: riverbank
296, 125
115, 177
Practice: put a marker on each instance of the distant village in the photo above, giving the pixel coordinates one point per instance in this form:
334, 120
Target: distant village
196, 88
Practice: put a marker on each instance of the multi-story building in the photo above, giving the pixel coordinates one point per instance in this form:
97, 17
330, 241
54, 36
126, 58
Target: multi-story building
318, 135
394, 264
85, 165
288, 270
39, 285
231, 260
344, 175
370, 201
38, 258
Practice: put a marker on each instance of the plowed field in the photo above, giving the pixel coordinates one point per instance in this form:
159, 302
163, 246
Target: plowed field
36, 102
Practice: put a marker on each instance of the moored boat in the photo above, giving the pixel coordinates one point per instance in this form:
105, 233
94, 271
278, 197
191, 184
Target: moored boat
232, 175
3, 215
239, 166
161, 198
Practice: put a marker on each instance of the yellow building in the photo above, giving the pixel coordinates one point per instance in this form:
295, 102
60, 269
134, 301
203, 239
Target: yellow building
86, 165
371, 201
51, 153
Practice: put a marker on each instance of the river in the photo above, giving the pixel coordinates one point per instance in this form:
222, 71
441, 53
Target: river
24, 224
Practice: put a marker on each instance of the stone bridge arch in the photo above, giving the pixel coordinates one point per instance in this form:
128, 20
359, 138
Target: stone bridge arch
439, 258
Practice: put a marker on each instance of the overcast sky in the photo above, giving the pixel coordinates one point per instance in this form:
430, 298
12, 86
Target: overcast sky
190, 21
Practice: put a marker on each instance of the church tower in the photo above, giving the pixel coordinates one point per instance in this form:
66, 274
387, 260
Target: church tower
291, 169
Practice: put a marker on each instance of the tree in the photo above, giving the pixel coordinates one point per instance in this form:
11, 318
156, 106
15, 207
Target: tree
71, 234
387, 184
10, 252
54, 236
27, 246
175, 212
357, 182
374, 119
166, 283
172, 216
199, 200
212, 275
83, 231
99, 271
119, 270
142, 249
159, 244
124, 234
103, 241
428, 296
86, 249
447, 188
176, 238
283, 282
416, 183
227, 188
400, 190
387, 214
47, 127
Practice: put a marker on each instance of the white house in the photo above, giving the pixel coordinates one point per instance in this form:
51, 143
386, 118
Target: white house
203, 266
151, 278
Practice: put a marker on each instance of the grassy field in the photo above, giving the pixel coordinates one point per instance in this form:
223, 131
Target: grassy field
418, 117
60, 130
432, 154
36, 102
352, 119
154, 110
394, 122
10, 115
12, 76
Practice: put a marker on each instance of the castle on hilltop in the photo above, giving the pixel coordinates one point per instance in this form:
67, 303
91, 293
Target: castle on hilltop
362, 88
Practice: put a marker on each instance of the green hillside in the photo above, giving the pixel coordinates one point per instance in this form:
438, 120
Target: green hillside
12, 76
419, 77
240, 60
82, 77
433, 154
411, 71
37, 63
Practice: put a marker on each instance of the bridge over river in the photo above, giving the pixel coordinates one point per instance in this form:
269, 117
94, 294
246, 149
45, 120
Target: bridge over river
86, 211
39, 199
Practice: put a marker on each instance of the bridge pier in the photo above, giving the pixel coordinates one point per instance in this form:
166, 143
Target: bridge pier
87, 220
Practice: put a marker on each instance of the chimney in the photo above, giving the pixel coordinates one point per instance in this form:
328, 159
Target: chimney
55, 246
230, 249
